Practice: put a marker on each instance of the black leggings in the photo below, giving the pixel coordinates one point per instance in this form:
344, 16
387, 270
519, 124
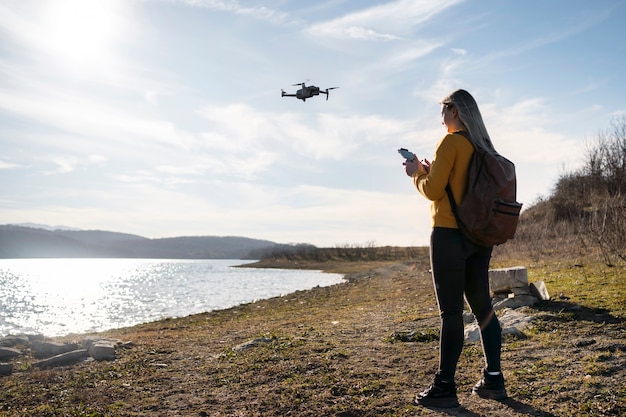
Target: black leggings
459, 268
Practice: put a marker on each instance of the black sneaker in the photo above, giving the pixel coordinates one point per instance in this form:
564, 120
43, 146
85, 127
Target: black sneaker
490, 387
439, 394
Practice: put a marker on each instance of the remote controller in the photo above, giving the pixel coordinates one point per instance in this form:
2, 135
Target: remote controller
408, 155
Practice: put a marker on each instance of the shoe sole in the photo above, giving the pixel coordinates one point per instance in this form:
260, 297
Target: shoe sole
490, 395
438, 402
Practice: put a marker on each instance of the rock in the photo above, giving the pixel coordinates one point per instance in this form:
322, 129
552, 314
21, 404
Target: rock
126, 345
539, 290
103, 350
505, 279
472, 333
525, 290
45, 349
13, 340
89, 341
253, 343
63, 359
499, 297
7, 352
514, 319
516, 302
6, 369
512, 322
468, 317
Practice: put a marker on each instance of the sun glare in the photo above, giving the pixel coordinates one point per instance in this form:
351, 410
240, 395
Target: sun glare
80, 33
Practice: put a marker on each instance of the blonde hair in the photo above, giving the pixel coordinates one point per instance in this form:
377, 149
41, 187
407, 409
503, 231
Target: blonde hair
470, 116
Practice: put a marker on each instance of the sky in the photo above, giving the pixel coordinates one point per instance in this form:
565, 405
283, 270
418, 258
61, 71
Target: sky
165, 118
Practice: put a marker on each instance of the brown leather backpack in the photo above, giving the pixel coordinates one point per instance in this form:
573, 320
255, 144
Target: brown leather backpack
489, 212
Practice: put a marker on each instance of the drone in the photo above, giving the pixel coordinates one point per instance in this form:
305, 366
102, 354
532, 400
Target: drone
307, 92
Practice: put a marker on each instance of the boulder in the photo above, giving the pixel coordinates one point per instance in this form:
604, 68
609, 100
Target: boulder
63, 359
511, 321
539, 290
468, 317
505, 279
6, 369
7, 352
87, 342
516, 302
525, 290
14, 340
45, 349
102, 350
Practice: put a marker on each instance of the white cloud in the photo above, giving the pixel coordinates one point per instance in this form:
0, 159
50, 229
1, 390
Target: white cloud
8, 165
235, 7
385, 22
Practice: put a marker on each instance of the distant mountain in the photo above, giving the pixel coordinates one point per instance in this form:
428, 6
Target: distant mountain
31, 242
43, 226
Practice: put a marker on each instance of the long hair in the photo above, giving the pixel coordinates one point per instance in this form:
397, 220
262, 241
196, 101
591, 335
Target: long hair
469, 114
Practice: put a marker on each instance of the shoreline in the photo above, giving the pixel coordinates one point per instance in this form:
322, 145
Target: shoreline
328, 351
61, 334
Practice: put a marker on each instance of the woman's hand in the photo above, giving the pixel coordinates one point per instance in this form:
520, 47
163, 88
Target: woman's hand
411, 167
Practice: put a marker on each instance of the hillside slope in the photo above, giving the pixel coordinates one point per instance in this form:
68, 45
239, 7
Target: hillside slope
27, 242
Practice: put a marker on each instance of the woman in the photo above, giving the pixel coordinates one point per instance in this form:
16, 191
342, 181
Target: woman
459, 267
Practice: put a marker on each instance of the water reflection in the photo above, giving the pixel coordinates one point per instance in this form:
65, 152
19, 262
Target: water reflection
61, 296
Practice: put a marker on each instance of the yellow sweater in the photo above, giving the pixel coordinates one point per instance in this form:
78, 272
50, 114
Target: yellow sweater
450, 164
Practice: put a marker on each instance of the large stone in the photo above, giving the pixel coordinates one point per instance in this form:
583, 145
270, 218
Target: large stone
6, 369
514, 318
539, 290
516, 302
7, 352
505, 279
89, 341
63, 359
525, 290
13, 340
44, 349
102, 350
511, 322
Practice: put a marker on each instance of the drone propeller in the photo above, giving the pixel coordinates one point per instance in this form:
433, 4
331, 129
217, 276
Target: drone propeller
331, 88
301, 84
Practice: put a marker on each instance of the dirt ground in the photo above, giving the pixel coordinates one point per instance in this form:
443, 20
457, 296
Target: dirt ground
331, 352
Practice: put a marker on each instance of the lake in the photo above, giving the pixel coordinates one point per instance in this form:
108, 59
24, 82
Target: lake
56, 297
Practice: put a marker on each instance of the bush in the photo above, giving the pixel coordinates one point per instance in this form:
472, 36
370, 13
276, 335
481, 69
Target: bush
587, 209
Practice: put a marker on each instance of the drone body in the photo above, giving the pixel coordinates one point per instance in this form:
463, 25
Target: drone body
307, 92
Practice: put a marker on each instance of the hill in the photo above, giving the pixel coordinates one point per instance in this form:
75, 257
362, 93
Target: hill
28, 242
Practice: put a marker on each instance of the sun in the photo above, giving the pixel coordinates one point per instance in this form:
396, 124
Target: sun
79, 33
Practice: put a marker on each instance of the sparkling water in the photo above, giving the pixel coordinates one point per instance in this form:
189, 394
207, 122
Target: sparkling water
57, 297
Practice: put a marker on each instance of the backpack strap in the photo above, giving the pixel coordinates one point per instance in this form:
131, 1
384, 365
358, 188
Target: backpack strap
452, 202
448, 189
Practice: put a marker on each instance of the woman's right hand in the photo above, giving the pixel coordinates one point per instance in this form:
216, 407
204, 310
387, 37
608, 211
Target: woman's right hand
411, 167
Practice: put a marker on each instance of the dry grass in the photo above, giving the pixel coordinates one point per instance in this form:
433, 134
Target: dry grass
330, 354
